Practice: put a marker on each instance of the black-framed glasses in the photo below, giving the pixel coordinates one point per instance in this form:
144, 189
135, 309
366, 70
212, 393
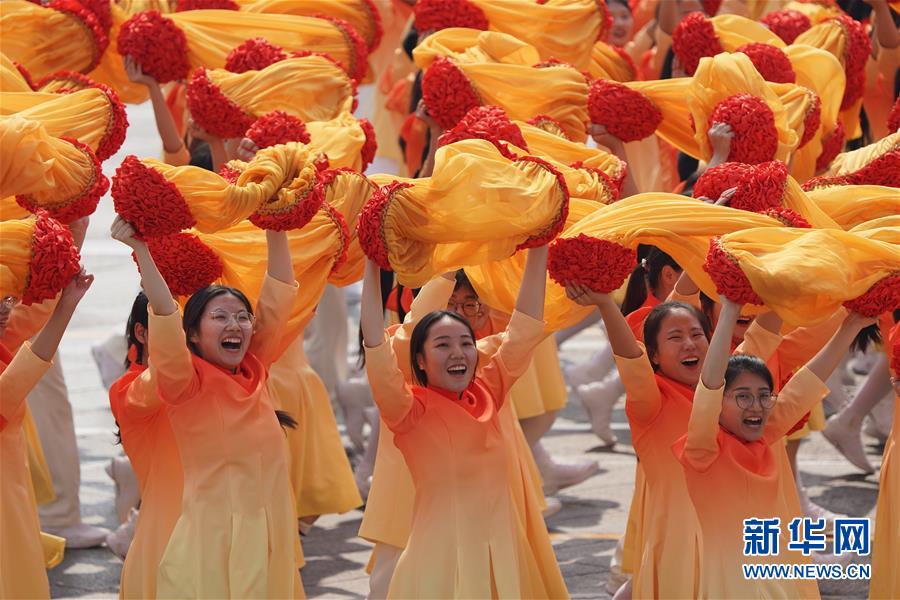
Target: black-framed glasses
745, 400
470, 308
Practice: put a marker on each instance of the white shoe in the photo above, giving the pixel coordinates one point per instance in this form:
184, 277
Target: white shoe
80, 536
846, 439
110, 359
557, 476
553, 507
120, 540
128, 491
598, 401
353, 397
879, 421
363, 478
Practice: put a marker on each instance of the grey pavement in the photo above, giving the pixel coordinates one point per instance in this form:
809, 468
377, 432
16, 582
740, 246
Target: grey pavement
584, 533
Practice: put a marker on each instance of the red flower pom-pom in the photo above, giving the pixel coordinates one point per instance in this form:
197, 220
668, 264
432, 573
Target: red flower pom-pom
25, 75
711, 7
183, 5
213, 110
893, 121
277, 127
54, 262
694, 37
884, 170
787, 24
771, 62
156, 43
64, 82
761, 188
448, 93
857, 49
85, 203
716, 180
600, 265
790, 218
370, 147
371, 221
91, 25
753, 123
117, 126
487, 123
229, 173
101, 11
559, 222
625, 113
434, 15
882, 297
185, 262
817, 183
290, 208
147, 200
832, 145
813, 118
254, 55
550, 125
726, 274
340, 257
359, 52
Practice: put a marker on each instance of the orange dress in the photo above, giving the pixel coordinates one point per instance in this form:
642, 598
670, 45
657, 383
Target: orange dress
236, 536
464, 542
730, 480
22, 570
150, 444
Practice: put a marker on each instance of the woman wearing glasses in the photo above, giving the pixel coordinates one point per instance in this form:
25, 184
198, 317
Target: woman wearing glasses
730, 468
236, 536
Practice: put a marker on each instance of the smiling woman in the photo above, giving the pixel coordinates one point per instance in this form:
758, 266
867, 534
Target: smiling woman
442, 351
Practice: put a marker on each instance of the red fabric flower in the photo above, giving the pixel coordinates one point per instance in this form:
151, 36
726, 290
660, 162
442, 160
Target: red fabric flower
370, 147
213, 110
448, 93
147, 200
857, 49
359, 52
277, 127
626, 113
771, 62
340, 257
813, 118
63, 82
550, 125
290, 208
487, 123
185, 262
254, 55
114, 136
832, 145
80, 205
882, 297
434, 15
230, 173
554, 229
694, 37
25, 75
101, 11
761, 187
893, 121
711, 7
817, 183
369, 227
716, 180
726, 274
600, 265
753, 123
54, 262
884, 170
156, 43
183, 5
789, 217
787, 24
92, 26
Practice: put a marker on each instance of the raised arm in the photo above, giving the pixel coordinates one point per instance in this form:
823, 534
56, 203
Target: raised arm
275, 299
602, 137
165, 124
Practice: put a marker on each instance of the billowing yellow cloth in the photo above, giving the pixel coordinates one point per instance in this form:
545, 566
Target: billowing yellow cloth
111, 69
848, 162
669, 96
344, 140
805, 274
16, 238
609, 62
361, 14
545, 144
853, 205
815, 11
347, 194
477, 207
44, 40
11, 79
466, 45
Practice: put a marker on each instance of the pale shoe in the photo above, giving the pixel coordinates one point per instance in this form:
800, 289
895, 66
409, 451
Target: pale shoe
598, 400
128, 492
815, 512
553, 507
557, 476
353, 397
80, 536
120, 540
846, 439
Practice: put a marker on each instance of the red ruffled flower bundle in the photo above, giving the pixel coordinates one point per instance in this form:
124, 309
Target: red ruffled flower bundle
893, 121
213, 110
101, 11
832, 145
625, 113
434, 15
81, 205
487, 123
290, 208
790, 218
857, 49
64, 82
254, 55
559, 222
340, 257
753, 123
359, 56
550, 125
711, 7
185, 262
694, 37
813, 118
882, 297
600, 265
183, 5
114, 136
448, 93
370, 147
277, 127
230, 173
91, 24
787, 24
726, 274
25, 75
771, 62
371, 220
884, 170
147, 200
716, 180
761, 188
817, 183
156, 43
54, 262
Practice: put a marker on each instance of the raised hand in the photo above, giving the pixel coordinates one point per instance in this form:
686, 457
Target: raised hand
136, 74
123, 231
77, 288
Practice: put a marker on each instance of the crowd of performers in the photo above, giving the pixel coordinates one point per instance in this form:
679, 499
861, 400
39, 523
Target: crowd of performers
713, 184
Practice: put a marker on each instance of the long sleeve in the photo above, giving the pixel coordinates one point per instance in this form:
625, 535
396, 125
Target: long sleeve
514, 355
142, 398
26, 321
759, 341
702, 446
796, 399
433, 296
800, 345
643, 401
171, 363
276, 299
17, 380
393, 396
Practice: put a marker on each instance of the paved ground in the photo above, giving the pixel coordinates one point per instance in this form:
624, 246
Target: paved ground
584, 533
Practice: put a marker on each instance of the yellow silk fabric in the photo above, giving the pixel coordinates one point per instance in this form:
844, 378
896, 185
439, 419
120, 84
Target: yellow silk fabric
11, 80
797, 200
735, 31
817, 12
111, 69
341, 139
465, 45
348, 193
355, 12
311, 88
848, 162
44, 40
84, 115
476, 208
669, 96
853, 205
606, 63
545, 144
15, 255
805, 274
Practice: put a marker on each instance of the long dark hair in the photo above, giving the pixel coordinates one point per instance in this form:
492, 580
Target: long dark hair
420, 334
196, 306
651, 261
137, 316
654, 320
746, 363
